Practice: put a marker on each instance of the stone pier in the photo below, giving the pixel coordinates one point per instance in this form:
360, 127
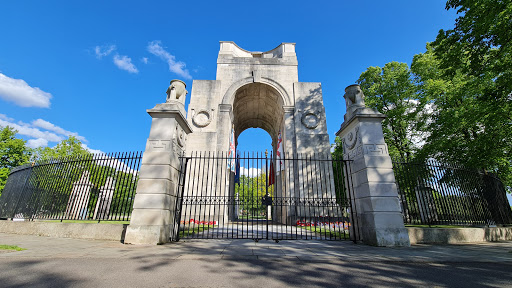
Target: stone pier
153, 213
375, 192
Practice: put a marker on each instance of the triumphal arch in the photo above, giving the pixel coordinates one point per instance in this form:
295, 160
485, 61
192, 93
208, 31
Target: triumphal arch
188, 184
257, 90
300, 193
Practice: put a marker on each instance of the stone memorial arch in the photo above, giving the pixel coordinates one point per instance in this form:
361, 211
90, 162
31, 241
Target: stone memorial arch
257, 90
252, 89
261, 90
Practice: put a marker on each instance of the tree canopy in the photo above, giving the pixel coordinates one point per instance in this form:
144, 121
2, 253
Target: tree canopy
474, 123
480, 43
391, 91
454, 102
13, 152
70, 147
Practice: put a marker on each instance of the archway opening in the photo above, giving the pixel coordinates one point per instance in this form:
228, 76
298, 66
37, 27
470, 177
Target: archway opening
254, 140
258, 105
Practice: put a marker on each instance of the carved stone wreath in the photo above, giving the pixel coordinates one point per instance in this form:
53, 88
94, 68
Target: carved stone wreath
181, 138
353, 140
310, 120
202, 118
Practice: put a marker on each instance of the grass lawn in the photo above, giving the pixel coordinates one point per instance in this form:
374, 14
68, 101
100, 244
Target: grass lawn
327, 232
189, 231
11, 247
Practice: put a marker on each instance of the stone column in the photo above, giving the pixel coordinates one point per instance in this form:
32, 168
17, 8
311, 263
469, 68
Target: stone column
78, 202
375, 192
291, 173
105, 199
154, 206
224, 122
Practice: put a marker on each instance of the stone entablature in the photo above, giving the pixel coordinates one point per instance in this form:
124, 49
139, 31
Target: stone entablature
285, 51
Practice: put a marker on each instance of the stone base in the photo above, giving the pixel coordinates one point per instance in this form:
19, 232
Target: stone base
98, 231
459, 235
386, 237
147, 234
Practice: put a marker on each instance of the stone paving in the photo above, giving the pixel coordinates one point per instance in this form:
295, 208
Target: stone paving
297, 250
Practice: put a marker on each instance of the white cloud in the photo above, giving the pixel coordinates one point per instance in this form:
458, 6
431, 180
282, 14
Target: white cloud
41, 130
251, 172
5, 118
177, 67
26, 130
35, 143
102, 51
51, 127
93, 151
21, 94
125, 63
144, 60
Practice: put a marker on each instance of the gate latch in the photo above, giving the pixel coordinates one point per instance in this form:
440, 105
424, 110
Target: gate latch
267, 200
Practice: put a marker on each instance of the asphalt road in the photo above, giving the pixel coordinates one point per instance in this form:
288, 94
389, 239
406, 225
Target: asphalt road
57, 262
160, 272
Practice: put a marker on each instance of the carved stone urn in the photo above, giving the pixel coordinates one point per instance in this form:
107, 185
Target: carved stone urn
176, 90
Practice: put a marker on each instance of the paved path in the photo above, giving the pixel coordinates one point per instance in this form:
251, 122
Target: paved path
64, 262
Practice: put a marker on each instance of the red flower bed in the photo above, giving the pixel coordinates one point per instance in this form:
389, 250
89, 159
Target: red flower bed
210, 223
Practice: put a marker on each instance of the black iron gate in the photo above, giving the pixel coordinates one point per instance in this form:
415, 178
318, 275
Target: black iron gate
256, 196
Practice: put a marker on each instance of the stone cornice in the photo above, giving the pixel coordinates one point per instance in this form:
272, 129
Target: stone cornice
167, 110
367, 113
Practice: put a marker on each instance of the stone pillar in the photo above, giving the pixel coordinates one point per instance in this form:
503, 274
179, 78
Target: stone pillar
375, 192
105, 199
154, 206
290, 173
224, 122
78, 202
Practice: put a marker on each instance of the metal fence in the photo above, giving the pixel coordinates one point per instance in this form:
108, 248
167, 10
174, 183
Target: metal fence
261, 197
90, 187
432, 193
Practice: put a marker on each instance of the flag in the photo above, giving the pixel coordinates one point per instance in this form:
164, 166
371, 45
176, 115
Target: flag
237, 171
231, 154
279, 154
271, 175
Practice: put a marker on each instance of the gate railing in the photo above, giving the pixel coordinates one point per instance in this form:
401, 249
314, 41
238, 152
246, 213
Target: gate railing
433, 193
261, 197
90, 187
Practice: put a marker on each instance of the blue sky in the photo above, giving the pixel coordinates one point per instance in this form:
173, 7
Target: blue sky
92, 68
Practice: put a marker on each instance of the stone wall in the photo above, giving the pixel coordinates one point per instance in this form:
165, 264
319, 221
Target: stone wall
459, 235
97, 231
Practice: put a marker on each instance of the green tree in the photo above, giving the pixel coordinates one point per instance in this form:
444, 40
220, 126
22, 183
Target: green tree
455, 116
13, 152
480, 43
251, 191
474, 123
71, 147
337, 148
392, 91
